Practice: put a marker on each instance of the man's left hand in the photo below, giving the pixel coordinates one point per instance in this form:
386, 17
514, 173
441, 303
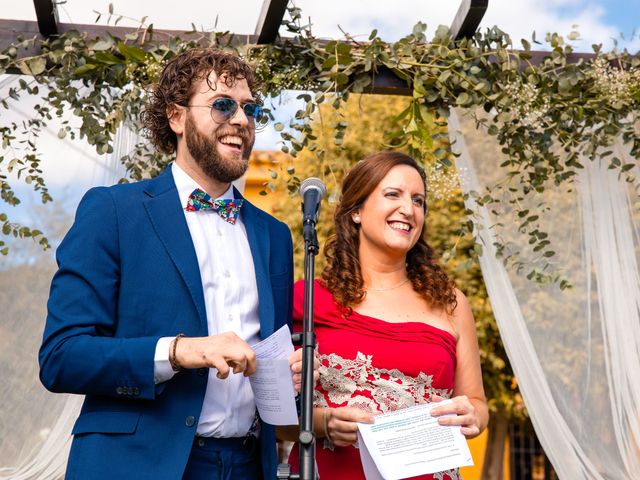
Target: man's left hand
295, 360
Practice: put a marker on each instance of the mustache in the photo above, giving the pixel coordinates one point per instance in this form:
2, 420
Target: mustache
243, 133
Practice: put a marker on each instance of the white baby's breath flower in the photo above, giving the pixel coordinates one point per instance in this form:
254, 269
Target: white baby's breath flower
528, 106
443, 183
615, 84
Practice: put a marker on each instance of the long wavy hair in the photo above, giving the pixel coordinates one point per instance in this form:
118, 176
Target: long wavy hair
343, 276
176, 87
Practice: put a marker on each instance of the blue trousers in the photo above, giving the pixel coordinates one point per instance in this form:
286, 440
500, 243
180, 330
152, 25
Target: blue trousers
223, 459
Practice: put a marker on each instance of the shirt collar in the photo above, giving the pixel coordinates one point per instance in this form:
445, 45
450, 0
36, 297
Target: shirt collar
186, 185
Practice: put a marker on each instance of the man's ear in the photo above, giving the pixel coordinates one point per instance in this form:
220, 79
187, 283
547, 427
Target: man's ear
177, 116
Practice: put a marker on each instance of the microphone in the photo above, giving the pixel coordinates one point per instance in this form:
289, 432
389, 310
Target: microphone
312, 191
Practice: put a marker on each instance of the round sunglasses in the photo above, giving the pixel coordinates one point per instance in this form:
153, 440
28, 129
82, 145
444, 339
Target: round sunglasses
223, 109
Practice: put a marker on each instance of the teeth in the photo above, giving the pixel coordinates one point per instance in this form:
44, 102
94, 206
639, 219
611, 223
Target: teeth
400, 226
233, 140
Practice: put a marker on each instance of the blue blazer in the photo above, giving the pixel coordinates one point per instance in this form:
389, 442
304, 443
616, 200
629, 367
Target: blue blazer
128, 275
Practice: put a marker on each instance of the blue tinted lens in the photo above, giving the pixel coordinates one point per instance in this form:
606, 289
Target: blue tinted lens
223, 109
253, 110
226, 106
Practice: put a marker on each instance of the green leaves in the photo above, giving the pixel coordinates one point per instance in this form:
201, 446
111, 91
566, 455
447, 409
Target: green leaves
463, 99
101, 44
33, 65
132, 53
579, 108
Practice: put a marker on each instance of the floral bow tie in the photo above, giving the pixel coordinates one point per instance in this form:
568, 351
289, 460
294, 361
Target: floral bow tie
228, 209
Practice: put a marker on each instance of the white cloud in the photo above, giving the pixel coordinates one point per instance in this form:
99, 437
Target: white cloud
393, 20
521, 18
239, 16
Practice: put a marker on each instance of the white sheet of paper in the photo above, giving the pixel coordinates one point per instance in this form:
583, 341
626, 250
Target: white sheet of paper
410, 442
272, 383
368, 465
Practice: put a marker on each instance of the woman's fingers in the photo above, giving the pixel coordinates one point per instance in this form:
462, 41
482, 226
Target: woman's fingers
459, 411
342, 428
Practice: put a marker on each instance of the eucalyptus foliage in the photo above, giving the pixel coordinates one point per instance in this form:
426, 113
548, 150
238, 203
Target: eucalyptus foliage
547, 116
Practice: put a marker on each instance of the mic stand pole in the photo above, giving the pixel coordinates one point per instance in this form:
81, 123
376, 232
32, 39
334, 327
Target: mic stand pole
306, 439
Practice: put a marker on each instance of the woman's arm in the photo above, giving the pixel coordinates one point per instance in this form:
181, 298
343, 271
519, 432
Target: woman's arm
337, 424
469, 402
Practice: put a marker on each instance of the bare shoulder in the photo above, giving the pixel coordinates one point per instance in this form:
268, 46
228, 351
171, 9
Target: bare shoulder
462, 315
463, 302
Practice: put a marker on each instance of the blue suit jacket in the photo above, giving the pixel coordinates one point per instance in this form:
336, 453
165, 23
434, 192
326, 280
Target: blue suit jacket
128, 275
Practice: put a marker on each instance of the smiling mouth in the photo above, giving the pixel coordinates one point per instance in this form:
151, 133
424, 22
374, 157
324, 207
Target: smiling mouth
232, 141
401, 226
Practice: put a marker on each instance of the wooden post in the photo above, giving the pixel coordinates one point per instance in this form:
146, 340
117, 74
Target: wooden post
469, 16
47, 15
269, 20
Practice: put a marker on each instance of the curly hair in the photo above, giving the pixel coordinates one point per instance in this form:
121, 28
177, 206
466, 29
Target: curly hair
176, 86
342, 275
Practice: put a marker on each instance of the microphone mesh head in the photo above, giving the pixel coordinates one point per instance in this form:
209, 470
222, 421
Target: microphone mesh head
313, 182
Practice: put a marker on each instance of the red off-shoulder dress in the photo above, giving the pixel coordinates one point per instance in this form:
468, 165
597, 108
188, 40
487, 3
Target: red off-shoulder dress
374, 365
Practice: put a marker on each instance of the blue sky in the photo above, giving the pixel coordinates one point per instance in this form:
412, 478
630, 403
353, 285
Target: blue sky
623, 14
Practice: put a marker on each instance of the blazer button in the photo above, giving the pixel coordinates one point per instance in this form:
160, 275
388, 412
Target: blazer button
202, 372
119, 390
190, 421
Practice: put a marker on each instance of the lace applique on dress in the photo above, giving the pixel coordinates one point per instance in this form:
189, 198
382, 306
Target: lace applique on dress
357, 383
450, 475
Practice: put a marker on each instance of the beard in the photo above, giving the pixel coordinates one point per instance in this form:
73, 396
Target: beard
204, 151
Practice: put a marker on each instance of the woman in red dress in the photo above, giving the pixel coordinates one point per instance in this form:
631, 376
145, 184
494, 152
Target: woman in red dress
392, 330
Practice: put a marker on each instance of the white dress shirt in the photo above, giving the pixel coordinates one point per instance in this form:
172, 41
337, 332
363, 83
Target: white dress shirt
231, 303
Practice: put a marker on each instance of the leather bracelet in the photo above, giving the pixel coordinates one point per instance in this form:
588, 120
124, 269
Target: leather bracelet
326, 424
175, 366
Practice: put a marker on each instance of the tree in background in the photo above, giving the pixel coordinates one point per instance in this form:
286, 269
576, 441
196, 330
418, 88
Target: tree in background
373, 122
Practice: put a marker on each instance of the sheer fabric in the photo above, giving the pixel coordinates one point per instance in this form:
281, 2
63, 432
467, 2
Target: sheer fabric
35, 425
576, 353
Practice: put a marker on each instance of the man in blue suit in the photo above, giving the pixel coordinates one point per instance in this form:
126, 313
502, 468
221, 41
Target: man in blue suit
162, 287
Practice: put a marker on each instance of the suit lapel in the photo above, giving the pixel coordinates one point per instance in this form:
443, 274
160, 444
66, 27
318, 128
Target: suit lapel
167, 218
258, 236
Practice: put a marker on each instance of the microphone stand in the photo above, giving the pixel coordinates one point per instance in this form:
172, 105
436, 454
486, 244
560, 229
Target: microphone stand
306, 438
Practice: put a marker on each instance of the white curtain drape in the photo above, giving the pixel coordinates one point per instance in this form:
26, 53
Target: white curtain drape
576, 352
35, 425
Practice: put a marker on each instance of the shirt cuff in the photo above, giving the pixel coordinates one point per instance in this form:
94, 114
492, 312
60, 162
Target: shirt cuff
162, 370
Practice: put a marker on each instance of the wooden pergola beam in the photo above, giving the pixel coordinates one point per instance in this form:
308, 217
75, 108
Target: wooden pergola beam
465, 24
47, 16
270, 20
385, 82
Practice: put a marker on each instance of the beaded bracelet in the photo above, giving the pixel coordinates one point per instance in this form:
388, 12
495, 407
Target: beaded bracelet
175, 366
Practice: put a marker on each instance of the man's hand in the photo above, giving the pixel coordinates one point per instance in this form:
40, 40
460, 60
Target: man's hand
295, 360
223, 352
